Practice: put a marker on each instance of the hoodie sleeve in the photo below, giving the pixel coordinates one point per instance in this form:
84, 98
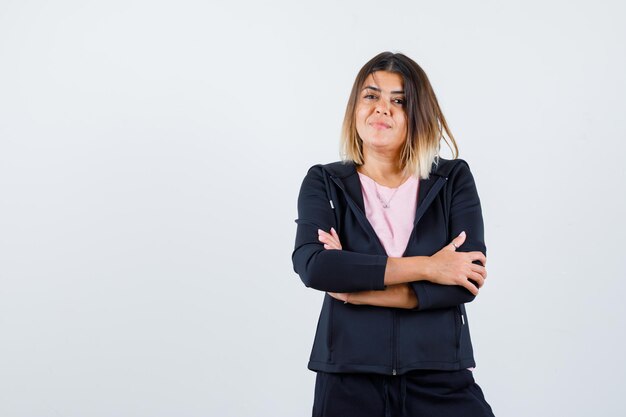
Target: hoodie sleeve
465, 214
322, 269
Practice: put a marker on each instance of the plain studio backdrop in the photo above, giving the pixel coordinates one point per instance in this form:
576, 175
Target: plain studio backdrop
151, 154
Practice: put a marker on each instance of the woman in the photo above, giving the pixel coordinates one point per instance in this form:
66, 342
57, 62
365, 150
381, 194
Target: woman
393, 234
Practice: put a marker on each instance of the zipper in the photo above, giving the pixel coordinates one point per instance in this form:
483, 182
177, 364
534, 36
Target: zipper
394, 354
421, 209
460, 330
370, 230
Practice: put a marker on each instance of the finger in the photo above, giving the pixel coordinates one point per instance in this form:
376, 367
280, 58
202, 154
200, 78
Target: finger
333, 232
480, 269
460, 239
471, 287
334, 241
329, 242
338, 295
328, 239
479, 256
336, 236
457, 241
477, 278
321, 232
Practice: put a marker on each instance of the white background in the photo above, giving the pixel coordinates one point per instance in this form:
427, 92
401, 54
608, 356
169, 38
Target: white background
151, 153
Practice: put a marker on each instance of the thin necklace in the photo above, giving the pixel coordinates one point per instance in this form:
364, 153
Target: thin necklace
385, 203
388, 202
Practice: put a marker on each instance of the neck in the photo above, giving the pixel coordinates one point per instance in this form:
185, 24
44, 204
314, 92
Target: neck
384, 169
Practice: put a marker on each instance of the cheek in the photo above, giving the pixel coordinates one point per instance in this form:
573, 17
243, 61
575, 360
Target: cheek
402, 123
361, 115
361, 126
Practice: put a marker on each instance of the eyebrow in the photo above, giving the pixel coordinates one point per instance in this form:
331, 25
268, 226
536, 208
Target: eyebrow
369, 87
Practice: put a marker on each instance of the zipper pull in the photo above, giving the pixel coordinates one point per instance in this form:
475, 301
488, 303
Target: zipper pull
393, 372
331, 204
458, 307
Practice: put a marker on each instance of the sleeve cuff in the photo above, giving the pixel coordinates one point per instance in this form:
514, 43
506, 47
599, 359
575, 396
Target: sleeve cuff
378, 279
422, 295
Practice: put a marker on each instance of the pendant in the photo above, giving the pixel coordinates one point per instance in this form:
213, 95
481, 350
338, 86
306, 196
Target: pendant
383, 202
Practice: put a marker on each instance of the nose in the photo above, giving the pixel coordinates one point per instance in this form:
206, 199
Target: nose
382, 107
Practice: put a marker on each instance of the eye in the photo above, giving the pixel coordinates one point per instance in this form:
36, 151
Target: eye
369, 96
399, 101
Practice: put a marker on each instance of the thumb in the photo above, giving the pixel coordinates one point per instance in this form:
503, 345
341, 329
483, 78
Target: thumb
457, 241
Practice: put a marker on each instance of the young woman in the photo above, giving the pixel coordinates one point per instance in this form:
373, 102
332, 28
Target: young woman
393, 233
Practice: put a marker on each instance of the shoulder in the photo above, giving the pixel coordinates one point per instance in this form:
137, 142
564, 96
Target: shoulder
445, 167
460, 180
339, 169
315, 178
457, 173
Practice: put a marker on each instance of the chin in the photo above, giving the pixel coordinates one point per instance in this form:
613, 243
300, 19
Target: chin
381, 145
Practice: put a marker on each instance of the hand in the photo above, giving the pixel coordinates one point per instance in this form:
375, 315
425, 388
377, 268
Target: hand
330, 240
341, 296
450, 267
398, 296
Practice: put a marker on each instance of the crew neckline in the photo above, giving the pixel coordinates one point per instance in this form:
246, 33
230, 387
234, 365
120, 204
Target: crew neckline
410, 178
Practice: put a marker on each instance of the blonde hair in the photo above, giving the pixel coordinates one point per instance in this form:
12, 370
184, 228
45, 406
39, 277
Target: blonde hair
425, 120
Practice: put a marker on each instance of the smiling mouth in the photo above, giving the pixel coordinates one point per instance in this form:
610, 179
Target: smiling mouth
380, 125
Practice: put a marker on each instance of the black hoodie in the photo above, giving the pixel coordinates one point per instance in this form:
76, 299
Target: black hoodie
385, 340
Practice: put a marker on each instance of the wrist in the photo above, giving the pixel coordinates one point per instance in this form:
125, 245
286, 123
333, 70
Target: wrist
423, 268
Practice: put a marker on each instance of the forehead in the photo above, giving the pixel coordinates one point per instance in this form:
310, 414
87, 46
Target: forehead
385, 80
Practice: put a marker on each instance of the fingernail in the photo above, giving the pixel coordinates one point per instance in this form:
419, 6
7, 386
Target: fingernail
319, 231
462, 233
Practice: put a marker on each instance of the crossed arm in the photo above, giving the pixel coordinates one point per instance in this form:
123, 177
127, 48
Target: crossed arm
402, 295
446, 278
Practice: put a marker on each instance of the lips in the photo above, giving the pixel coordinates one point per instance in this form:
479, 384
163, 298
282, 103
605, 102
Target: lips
380, 125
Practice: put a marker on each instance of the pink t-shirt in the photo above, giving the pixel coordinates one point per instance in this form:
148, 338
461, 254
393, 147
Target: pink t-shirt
392, 224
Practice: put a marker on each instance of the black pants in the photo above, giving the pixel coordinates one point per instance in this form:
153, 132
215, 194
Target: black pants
423, 393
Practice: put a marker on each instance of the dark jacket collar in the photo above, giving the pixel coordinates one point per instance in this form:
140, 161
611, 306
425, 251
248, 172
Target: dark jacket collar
346, 172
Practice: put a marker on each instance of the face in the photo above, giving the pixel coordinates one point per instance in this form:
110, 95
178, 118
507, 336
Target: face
381, 120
